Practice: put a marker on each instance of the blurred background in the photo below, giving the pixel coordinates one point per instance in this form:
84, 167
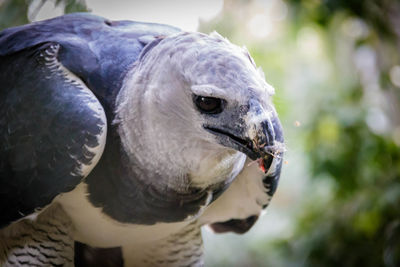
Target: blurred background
335, 65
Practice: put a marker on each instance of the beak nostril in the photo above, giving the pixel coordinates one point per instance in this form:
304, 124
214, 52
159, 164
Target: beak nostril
267, 132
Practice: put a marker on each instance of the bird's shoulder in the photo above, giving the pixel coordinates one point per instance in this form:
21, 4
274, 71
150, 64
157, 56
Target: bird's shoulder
99, 51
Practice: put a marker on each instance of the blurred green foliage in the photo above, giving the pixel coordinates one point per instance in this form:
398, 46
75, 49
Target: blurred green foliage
373, 12
349, 214
13, 12
73, 6
18, 12
360, 224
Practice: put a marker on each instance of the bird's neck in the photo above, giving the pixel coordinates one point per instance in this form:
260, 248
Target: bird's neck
146, 175
127, 193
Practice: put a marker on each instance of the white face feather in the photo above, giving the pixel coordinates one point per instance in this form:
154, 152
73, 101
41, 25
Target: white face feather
160, 126
244, 197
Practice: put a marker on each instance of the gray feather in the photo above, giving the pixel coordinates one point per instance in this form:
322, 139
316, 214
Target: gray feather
46, 241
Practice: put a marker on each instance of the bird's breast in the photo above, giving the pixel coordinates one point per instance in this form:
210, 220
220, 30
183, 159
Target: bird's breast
95, 228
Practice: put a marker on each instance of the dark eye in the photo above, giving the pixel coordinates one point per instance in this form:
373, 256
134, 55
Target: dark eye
209, 105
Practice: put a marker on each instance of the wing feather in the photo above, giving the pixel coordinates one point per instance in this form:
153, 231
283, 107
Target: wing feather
52, 130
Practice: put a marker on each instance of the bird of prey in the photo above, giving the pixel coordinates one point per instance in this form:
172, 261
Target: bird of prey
129, 136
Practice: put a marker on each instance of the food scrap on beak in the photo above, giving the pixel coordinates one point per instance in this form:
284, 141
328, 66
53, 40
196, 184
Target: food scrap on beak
268, 154
261, 165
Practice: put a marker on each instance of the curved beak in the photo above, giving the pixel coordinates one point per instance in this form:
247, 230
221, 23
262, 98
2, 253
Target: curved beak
257, 133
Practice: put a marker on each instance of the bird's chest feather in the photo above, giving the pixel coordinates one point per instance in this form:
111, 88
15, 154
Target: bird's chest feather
111, 207
94, 227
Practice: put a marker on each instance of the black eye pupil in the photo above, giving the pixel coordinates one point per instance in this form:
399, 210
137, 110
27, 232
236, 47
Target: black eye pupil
209, 105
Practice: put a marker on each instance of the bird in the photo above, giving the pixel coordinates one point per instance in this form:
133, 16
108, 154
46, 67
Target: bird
121, 139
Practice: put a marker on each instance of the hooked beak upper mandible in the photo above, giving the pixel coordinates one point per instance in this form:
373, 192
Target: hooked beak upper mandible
265, 130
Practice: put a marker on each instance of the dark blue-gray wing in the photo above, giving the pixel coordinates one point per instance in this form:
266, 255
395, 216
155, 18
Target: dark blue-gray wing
97, 50
52, 130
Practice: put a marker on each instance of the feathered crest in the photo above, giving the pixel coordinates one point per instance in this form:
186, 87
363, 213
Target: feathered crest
218, 36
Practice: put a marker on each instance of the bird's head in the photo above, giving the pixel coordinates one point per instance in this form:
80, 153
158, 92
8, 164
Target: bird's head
194, 98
